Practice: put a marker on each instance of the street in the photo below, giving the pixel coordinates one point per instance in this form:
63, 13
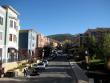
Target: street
57, 71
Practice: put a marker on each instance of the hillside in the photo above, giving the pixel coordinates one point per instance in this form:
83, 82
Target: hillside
61, 37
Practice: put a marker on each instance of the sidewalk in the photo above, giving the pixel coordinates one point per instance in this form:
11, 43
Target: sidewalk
80, 75
17, 78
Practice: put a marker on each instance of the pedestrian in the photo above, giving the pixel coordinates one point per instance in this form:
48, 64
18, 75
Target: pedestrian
25, 72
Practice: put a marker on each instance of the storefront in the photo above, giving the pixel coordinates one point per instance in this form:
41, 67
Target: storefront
12, 55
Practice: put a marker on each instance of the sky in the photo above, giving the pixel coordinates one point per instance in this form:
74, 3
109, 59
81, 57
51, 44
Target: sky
61, 16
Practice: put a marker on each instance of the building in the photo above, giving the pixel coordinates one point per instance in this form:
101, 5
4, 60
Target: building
78, 40
2, 33
98, 33
42, 41
9, 30
27, 44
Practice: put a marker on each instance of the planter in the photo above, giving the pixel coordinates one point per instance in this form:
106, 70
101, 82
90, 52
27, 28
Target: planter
10, 74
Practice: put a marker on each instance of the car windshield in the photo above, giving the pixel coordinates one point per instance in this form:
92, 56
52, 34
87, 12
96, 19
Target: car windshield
34, 64
40, 64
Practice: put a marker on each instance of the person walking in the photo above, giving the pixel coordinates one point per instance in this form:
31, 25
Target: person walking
25, 72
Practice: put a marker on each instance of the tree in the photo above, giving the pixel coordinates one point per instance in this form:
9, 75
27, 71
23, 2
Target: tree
67, 44
106, 49
106, 45
90, 45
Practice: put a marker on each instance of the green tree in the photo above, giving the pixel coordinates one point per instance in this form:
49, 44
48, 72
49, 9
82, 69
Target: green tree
106, 50
67, 45
106, 45
90, 45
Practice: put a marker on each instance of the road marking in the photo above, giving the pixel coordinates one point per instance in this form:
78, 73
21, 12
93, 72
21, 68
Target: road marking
55, 75
57, 68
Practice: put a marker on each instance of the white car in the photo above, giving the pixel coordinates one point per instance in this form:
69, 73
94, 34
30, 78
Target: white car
39, 61
41, 65
45, 62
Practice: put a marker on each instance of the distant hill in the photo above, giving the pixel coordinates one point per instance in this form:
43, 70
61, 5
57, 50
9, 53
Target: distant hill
61, 37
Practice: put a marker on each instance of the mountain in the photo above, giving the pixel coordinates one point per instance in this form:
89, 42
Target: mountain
61, 37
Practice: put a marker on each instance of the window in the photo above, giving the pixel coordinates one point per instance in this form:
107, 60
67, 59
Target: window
33, 37
93, 33
14, 38
1, 20
10, 37
14, 24
11, 23
33, 45
0, 54
0, 35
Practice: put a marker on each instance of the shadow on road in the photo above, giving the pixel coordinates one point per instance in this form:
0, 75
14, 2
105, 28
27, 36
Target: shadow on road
60, 59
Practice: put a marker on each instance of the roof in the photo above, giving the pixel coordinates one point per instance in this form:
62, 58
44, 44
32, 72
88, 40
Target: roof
97, 29
11, 8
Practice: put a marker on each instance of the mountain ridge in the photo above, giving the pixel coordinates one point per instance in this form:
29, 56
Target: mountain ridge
61, 37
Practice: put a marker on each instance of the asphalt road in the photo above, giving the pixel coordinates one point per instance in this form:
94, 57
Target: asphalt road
58, 71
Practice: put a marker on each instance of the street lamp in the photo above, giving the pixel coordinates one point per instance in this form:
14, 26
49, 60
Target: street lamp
86, 56
86, 52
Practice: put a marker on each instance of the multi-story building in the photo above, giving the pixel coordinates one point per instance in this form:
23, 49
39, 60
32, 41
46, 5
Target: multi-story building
2, 32
27, 43
41, 40
98, 33
78, 40
9, 26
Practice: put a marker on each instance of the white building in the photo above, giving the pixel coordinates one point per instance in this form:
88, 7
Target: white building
11, 26
2, 32
27, 43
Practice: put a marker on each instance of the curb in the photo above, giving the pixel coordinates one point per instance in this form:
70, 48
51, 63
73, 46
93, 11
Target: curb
79, 73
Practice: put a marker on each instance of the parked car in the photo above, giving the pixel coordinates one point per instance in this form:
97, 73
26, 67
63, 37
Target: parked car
45, 62
49, 58
34, 65
53, 55
60, 51
34, 72
41, 65
39, 61
70, 56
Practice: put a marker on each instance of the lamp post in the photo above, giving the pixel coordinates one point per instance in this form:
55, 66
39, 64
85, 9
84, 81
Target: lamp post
86, 56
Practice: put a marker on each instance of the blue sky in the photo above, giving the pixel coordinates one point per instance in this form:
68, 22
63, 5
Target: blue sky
61, 16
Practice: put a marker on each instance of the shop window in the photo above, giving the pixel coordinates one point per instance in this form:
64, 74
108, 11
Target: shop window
12, 53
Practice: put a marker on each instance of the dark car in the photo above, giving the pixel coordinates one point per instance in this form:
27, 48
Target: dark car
34, 72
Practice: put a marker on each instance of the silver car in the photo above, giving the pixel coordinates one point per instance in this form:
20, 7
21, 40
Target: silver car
41, 65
